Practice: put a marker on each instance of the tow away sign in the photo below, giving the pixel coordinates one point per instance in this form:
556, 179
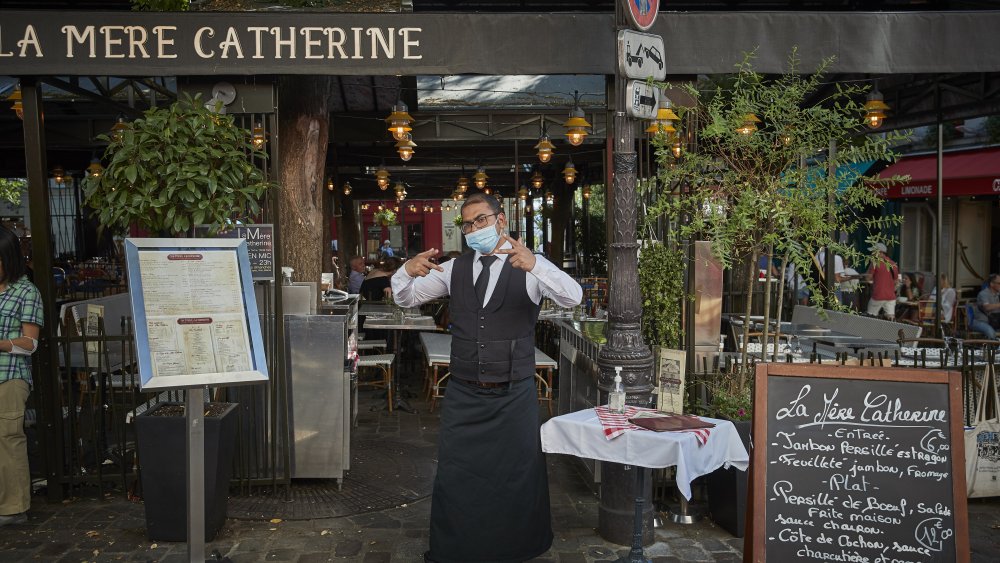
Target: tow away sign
643, 99
640, 55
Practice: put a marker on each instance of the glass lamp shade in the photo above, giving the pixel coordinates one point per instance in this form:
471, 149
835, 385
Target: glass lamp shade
118, 128
537, 180
399, 121
749, 124
522, 194
462, 185
257, 138
875, 109
545, 149
382, 178
480, 178
569, 172
347, 188
576, 127
94, 170
586, 192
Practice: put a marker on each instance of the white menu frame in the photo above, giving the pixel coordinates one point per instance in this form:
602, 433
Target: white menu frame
250, 359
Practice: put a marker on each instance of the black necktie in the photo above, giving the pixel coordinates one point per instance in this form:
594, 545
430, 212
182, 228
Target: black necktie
484, 279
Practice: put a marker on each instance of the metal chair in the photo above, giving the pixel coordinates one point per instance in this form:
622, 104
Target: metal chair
382, 364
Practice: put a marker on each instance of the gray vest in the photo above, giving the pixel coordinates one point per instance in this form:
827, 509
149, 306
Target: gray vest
495, 343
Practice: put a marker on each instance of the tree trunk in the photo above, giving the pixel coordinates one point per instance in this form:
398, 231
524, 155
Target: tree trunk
303, 136
751, 277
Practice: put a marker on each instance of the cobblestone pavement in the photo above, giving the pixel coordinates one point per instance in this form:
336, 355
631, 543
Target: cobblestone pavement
99, 528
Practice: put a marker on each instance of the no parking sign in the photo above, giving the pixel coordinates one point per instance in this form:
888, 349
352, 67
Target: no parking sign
642, 13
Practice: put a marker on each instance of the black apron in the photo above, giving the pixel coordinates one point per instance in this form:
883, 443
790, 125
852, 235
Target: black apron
491, 492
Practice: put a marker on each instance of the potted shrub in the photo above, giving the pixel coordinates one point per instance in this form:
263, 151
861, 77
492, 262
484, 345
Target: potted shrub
728, 487
176, 167
385, 217
161, 434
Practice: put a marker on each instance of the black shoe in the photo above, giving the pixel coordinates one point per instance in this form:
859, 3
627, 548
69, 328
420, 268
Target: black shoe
13, 519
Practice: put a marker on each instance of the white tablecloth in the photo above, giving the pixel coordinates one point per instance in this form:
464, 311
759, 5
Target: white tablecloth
580, 434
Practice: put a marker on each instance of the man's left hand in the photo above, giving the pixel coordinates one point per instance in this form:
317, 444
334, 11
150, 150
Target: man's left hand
520, 256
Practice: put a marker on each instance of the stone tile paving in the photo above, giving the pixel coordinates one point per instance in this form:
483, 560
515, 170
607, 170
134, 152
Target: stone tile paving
110, 528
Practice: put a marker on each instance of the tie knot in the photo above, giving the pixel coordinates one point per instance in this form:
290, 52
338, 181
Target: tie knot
487, 260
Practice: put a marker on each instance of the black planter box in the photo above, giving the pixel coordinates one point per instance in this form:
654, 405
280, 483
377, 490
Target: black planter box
163, 463
727, 490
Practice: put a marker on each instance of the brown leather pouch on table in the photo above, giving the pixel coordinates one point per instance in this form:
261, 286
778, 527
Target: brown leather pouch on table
671, 423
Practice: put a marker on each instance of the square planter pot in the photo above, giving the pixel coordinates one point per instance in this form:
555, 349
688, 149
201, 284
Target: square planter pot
162, 437
727, 490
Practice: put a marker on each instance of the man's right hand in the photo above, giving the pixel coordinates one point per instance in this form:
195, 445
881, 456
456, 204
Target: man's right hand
421, 265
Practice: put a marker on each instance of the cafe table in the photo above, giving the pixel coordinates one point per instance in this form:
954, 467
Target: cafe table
437, 352
396, 324
581, 434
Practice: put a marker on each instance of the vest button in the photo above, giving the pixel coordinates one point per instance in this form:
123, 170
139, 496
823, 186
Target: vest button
482, 326
482, 346
482, 318
482, 371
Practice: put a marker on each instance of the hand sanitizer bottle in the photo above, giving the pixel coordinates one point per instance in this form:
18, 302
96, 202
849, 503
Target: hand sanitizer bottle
616, 399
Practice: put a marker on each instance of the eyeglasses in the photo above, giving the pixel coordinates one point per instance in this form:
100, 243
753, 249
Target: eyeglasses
477, 223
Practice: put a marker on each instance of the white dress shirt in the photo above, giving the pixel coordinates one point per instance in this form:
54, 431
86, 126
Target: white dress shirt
544, 280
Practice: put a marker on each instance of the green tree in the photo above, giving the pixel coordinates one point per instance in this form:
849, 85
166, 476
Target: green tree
11, 189
749, 187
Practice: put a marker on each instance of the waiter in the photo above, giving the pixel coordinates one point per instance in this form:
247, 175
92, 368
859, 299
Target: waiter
491, 493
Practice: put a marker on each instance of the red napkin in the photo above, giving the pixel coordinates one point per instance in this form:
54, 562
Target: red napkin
616, 424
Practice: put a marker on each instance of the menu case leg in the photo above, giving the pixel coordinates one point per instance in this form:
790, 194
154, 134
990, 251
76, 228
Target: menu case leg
195, 411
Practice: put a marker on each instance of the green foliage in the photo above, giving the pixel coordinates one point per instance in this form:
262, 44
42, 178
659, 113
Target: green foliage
591, 229
730, 397
160, 5
176, 167
750, 192
11, 189
457, 219
993, 128
386, 217
661, 283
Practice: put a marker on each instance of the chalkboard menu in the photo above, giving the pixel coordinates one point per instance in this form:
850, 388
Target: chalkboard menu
860, 465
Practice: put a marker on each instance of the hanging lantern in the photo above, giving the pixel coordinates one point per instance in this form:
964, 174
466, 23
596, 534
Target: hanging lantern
549, 198
665, 118
257, 139
15, 100
399, 121
522, 194
569, 172
480, 178
94, 170
576, 124
875, 109
382, 178
676, 148
405, 147
347, 188
586, 192
118, 129
749, 124
537, 180
365, 206
59, 174
329, 184
462, 185
545, 148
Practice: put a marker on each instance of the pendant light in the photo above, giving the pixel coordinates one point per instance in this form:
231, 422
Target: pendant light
118, 129
405, 147
347, 188
480, 178
749, 124
257, 138
544, 147
522, 194
569, 172
94, 170
576, 124
15, 100
382, 178
462, 185
537, 180
665, 118
586, 191
875, 109
399, 121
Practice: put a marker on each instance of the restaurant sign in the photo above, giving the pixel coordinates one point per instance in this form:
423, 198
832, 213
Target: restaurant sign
36, 43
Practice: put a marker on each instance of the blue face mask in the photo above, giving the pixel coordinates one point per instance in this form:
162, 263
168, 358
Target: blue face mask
483, 240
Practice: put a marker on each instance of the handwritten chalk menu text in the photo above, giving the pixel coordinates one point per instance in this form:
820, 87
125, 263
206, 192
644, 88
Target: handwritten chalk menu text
860, 470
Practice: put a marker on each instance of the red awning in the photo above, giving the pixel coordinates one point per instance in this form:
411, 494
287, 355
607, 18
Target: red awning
966, 173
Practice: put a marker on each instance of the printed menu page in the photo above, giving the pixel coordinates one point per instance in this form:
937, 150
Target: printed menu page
194, 312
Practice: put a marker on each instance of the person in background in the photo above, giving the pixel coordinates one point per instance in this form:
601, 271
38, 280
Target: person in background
357, 274
377, 284
882, 274
986, 313
909, 296
491, 494
21, 319
797, 284
948, 298
386, 250
838, 271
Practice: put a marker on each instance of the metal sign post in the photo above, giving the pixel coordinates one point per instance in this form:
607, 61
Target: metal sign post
195, 415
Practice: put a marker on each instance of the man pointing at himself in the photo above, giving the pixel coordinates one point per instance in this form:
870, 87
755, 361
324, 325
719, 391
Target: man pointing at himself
491, 497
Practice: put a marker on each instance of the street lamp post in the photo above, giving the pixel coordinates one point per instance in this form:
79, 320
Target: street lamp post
625, 347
